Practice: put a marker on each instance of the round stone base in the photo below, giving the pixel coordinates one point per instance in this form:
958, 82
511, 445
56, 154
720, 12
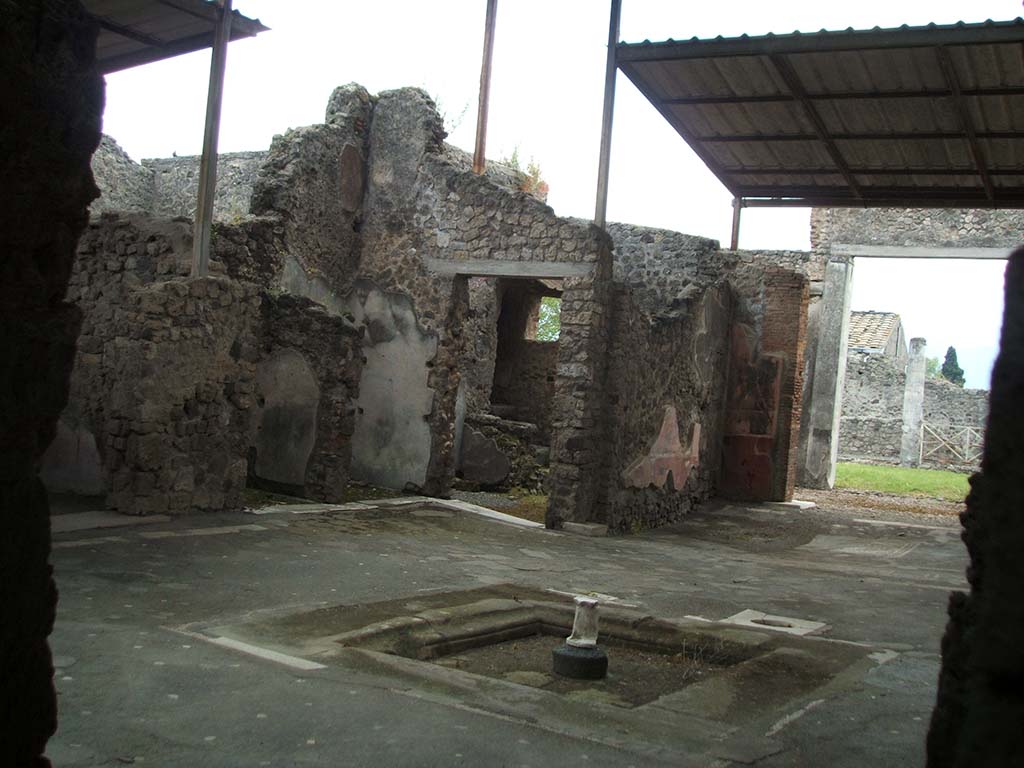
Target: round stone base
580, 663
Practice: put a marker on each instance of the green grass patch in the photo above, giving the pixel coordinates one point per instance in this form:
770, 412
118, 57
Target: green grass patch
532, 506
904, 481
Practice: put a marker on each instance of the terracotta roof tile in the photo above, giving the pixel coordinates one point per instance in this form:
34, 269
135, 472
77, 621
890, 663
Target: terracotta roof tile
871, 330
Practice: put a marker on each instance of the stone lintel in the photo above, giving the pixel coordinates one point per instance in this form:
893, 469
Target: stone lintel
502, 268
871, 251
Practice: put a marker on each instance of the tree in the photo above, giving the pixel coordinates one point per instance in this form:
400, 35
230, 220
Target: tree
951, 370
549, 321
931, 368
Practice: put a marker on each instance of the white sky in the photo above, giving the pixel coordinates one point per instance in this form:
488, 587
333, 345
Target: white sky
546, 95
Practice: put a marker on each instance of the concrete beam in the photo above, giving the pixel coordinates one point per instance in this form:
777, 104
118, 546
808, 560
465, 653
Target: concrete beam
913, 405
818, 467
501, 268
870, 251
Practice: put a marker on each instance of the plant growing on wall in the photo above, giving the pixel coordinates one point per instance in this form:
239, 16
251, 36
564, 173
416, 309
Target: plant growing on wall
951, 370
532, 182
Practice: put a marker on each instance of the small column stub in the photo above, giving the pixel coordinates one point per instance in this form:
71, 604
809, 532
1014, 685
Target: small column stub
580, 657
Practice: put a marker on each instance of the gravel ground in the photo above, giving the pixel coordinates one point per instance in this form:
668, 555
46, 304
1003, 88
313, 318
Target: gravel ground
867, 504
496, 501
884, 506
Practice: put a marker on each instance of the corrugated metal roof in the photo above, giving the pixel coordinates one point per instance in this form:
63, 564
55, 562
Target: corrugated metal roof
134, 32
871, 330
923, 116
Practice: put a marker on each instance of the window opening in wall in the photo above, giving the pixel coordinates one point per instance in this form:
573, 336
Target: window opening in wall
549, 319
529, 322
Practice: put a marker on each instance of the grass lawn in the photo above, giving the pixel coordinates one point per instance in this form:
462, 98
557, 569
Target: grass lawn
529, 507
905, 481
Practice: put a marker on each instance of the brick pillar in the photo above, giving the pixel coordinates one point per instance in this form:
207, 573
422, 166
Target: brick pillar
913, 405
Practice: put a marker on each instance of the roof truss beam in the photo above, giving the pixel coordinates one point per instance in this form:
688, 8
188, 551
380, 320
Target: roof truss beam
780, 137
960, 107
129, 32
791, 171
792, 81
825, 42
932, 93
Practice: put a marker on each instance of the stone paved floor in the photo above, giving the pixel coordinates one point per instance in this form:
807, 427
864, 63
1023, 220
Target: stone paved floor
136, 688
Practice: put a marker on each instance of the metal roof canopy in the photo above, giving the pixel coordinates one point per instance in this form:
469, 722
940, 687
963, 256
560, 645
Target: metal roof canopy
135, 32
910, 117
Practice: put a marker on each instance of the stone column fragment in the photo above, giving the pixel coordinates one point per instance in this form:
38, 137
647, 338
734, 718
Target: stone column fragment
913, 405
818, 468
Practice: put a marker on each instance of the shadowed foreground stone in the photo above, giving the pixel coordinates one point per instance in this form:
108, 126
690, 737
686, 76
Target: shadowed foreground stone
980, 707
55, 99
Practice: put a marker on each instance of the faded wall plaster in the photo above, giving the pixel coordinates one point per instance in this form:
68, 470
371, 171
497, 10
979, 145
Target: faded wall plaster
391, 444
287, 418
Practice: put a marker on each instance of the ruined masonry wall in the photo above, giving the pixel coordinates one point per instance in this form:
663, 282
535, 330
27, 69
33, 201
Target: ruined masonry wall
176, 184
532, 387
954, 227
124, 184
176, 426
678, 360
331, 346
665, 270
946, 403
460, 216
163, 383
168, 187
765, 384
871, 425
160, 381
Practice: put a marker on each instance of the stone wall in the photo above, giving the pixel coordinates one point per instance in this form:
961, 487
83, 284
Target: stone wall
373, 218
765, 384
53, 98
125, 185
872, 418
952, 227
355, 214
311, 363
457, 218
176, 184
666, 393
168, 187
946, 403
165, 389
760, 344
181, 375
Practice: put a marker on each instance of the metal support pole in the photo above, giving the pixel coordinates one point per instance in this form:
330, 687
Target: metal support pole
601, 209
479, 160
737, 208
208, 164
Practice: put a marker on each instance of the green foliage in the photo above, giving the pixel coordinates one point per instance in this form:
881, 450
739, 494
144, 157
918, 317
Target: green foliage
513, 160
549, 322
931, 368
951, 370
533, 182
906, 481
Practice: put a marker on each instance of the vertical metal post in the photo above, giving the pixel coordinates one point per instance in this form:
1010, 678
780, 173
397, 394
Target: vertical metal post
737, 208
601, 209
208, 164
479, 160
